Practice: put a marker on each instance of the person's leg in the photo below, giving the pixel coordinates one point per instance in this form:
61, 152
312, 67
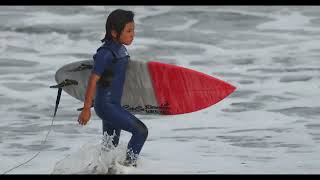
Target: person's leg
109, 130
139, 136
122, 119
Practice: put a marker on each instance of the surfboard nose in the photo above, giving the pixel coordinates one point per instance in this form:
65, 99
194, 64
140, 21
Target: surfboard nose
180, 90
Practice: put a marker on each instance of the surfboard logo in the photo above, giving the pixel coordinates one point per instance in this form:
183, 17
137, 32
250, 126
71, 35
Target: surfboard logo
149, 109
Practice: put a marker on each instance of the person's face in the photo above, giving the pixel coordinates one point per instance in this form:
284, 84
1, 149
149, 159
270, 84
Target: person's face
127, 35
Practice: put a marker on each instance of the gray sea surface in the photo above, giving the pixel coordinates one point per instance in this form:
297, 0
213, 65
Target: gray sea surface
269, 125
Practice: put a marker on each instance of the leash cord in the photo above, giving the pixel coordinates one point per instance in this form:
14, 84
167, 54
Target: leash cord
43, 142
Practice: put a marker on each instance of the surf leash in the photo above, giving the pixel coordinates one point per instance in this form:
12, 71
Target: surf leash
66, 82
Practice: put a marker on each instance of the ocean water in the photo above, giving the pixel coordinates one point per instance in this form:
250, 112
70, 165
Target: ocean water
269, 125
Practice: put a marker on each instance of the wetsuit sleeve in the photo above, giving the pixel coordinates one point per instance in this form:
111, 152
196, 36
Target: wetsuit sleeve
102, 60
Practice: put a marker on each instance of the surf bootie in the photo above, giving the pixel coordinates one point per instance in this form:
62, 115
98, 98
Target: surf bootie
131, 160
129, 163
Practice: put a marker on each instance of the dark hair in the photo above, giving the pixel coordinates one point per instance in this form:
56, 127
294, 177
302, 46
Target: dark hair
117, 20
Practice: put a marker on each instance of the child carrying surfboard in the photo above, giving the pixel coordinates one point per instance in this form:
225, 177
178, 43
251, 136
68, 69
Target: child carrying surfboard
111, 60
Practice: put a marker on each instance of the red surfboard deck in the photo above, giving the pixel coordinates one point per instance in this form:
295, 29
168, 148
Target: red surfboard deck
179, 90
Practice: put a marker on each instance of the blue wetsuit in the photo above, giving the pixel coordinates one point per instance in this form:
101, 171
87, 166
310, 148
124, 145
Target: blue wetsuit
107, 103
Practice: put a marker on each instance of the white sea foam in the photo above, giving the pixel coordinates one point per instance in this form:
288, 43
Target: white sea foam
269, 125
291, 21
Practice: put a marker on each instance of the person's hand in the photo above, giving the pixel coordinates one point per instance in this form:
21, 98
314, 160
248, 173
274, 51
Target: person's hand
84, 116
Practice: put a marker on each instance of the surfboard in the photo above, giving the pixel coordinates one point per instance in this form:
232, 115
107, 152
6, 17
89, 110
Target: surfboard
153, 87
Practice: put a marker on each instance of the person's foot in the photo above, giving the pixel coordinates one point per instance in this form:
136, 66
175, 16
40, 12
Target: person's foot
112, 170
129, 163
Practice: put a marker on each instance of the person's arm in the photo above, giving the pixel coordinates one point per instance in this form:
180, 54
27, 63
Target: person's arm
102, 60
84, 117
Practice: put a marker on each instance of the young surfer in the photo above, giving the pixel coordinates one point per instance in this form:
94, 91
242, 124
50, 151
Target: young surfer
111, 59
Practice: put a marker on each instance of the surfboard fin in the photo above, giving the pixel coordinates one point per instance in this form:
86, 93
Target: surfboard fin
82, 67
80, 109
66, 82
